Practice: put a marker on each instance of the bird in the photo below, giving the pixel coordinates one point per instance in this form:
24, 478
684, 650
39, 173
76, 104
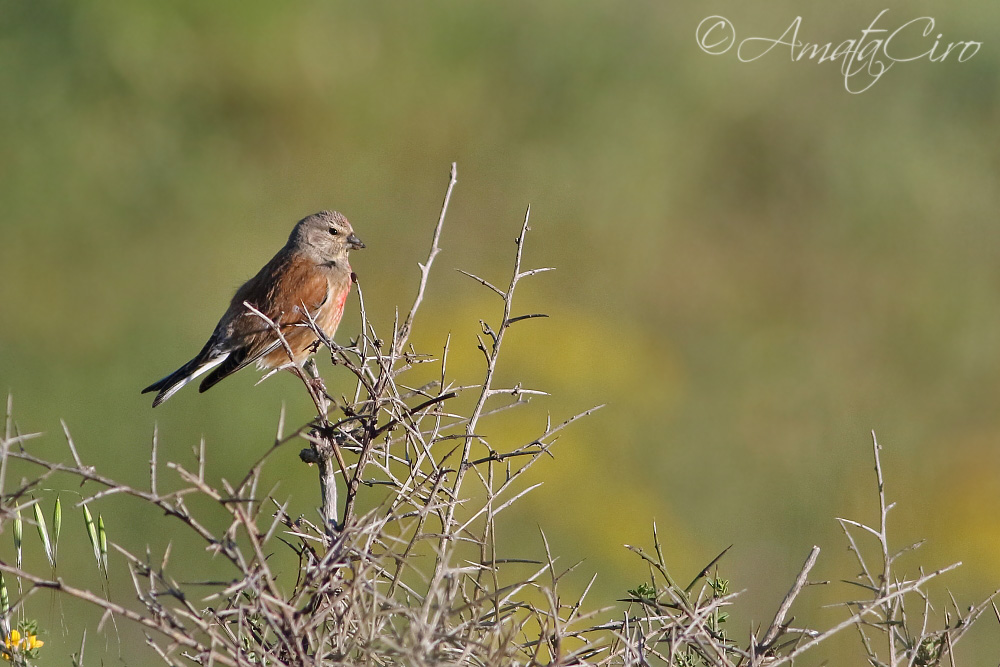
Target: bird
308, 279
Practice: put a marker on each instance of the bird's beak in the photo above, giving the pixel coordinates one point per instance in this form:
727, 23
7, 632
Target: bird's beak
354, 243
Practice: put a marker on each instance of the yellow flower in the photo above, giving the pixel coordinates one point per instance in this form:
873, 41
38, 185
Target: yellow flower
15, 643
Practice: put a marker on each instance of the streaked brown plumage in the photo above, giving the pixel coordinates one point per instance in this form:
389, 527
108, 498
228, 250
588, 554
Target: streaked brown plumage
310, 271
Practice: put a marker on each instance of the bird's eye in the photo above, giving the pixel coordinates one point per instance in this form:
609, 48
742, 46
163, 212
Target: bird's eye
334, 231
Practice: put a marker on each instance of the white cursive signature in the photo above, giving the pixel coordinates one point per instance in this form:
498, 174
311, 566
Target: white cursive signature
866, 58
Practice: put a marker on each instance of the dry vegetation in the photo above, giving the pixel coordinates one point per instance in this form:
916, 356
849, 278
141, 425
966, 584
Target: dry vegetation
421, 580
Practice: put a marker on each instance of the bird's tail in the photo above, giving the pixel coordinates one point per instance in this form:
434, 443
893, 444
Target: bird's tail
171, 384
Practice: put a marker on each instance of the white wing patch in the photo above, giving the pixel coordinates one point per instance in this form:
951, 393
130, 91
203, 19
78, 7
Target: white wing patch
201, 370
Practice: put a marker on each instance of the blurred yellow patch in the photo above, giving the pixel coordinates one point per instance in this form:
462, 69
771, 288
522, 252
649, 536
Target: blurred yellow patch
966, 515
571, 354
581, 361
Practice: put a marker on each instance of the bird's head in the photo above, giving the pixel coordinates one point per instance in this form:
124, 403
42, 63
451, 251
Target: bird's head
327, 234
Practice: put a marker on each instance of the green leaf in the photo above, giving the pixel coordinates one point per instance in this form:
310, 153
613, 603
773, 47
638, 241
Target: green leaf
43, 533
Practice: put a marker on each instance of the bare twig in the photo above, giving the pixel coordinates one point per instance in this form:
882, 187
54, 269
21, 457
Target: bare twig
777, 625
425, 268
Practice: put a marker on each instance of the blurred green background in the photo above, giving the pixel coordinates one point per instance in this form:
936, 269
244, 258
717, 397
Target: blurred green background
755, 267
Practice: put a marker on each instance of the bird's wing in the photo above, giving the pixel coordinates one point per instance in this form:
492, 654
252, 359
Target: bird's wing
303, 284
279, 292
234, 362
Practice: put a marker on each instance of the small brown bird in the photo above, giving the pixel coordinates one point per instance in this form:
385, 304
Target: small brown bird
310, 274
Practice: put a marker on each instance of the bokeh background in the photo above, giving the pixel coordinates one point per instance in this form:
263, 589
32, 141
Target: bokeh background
755, 267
